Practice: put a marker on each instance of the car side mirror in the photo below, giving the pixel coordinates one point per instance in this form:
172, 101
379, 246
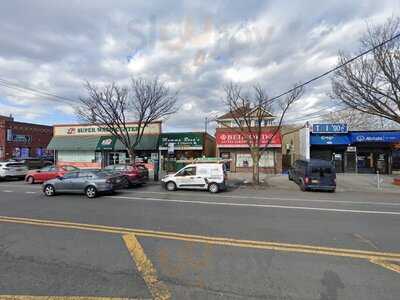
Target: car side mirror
60, 177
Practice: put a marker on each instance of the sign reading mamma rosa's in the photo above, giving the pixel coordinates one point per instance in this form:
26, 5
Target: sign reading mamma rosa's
76, 130
234, 139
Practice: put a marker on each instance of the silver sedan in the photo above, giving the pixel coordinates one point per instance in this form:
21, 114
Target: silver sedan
90, 183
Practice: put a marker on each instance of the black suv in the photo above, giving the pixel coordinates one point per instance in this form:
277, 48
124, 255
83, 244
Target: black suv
313, 174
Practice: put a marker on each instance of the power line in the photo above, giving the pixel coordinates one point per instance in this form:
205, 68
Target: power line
337, 67
20, 87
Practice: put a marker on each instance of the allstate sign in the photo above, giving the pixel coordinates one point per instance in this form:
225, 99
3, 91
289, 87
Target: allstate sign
330, 128
377, 137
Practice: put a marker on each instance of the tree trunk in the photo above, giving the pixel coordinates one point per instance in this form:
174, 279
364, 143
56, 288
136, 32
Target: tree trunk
132, 156
256, 169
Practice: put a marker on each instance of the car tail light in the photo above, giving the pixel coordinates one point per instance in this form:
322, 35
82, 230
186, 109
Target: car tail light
306, 180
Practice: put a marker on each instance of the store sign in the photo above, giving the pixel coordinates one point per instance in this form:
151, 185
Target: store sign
329, 139
233, 139
86, 130
21, 138
106, 143
375, 137
351, 149
329, 128
182, 141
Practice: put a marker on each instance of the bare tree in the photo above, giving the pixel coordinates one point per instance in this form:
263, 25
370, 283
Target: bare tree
371, 83
252, 113
110, 106
357, 120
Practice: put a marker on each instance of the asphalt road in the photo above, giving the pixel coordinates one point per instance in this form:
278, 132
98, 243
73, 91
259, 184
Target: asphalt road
242, 244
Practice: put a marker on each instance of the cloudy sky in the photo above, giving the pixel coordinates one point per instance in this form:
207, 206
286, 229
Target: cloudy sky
194, 46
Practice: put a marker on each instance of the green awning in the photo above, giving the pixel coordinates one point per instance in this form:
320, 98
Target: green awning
74, 143
71, 143
148, 142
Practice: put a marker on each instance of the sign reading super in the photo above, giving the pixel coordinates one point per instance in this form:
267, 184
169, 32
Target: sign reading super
74, 130
329, 128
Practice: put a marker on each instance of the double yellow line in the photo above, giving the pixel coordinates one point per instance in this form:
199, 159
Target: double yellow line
299, 248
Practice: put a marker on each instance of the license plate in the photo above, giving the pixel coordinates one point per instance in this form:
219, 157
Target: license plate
118, 180
314, 181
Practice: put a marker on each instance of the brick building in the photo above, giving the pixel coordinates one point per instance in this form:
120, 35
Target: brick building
19, 140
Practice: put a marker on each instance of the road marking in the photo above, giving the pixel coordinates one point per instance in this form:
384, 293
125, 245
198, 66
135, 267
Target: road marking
387, 265
286, 247
274, 198
28, 297
7, 191
365, 240
396, 213
30, 192
157, 288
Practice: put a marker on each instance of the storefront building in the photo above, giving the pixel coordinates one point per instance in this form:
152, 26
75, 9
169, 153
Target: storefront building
177, 147
92, 146
232, 146
22, 140
356, 151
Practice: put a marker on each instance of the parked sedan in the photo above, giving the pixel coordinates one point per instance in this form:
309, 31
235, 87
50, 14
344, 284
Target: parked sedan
12, 170
90, 183
134, 175
47, 173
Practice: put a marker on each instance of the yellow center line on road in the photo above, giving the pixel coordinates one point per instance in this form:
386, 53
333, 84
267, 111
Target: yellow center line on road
387, 265
157, 288
299, 248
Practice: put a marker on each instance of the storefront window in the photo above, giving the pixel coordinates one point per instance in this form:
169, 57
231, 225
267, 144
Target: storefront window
39, 152
244, 160
396, 160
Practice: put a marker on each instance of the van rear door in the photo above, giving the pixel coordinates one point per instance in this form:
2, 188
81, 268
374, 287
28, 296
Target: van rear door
322, 175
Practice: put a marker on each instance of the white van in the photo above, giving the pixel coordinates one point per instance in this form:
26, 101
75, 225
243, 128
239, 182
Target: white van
203, 176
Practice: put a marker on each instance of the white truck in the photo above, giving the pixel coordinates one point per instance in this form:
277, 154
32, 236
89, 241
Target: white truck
201, 176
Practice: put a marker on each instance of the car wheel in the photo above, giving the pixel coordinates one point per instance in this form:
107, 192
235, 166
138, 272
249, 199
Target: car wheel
91, 191
30, 180
171, 186
213, 188
290, 177
49, 190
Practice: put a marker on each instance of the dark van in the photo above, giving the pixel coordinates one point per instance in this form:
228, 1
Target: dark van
313, 174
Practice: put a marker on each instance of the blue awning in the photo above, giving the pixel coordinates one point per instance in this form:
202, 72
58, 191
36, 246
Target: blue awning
375, 136
329, 139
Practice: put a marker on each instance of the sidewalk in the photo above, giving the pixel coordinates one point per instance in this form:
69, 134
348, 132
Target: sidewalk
345, 182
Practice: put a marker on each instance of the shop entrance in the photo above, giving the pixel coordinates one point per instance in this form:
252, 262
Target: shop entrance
114, 158
369, 162
350, 162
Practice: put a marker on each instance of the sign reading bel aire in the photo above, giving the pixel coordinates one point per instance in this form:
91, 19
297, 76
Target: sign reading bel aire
234, 139
76, 130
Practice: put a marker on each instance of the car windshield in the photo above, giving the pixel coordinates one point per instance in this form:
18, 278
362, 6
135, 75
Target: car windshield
70, 168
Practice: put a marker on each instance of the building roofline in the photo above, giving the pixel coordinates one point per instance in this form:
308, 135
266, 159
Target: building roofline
89, 124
